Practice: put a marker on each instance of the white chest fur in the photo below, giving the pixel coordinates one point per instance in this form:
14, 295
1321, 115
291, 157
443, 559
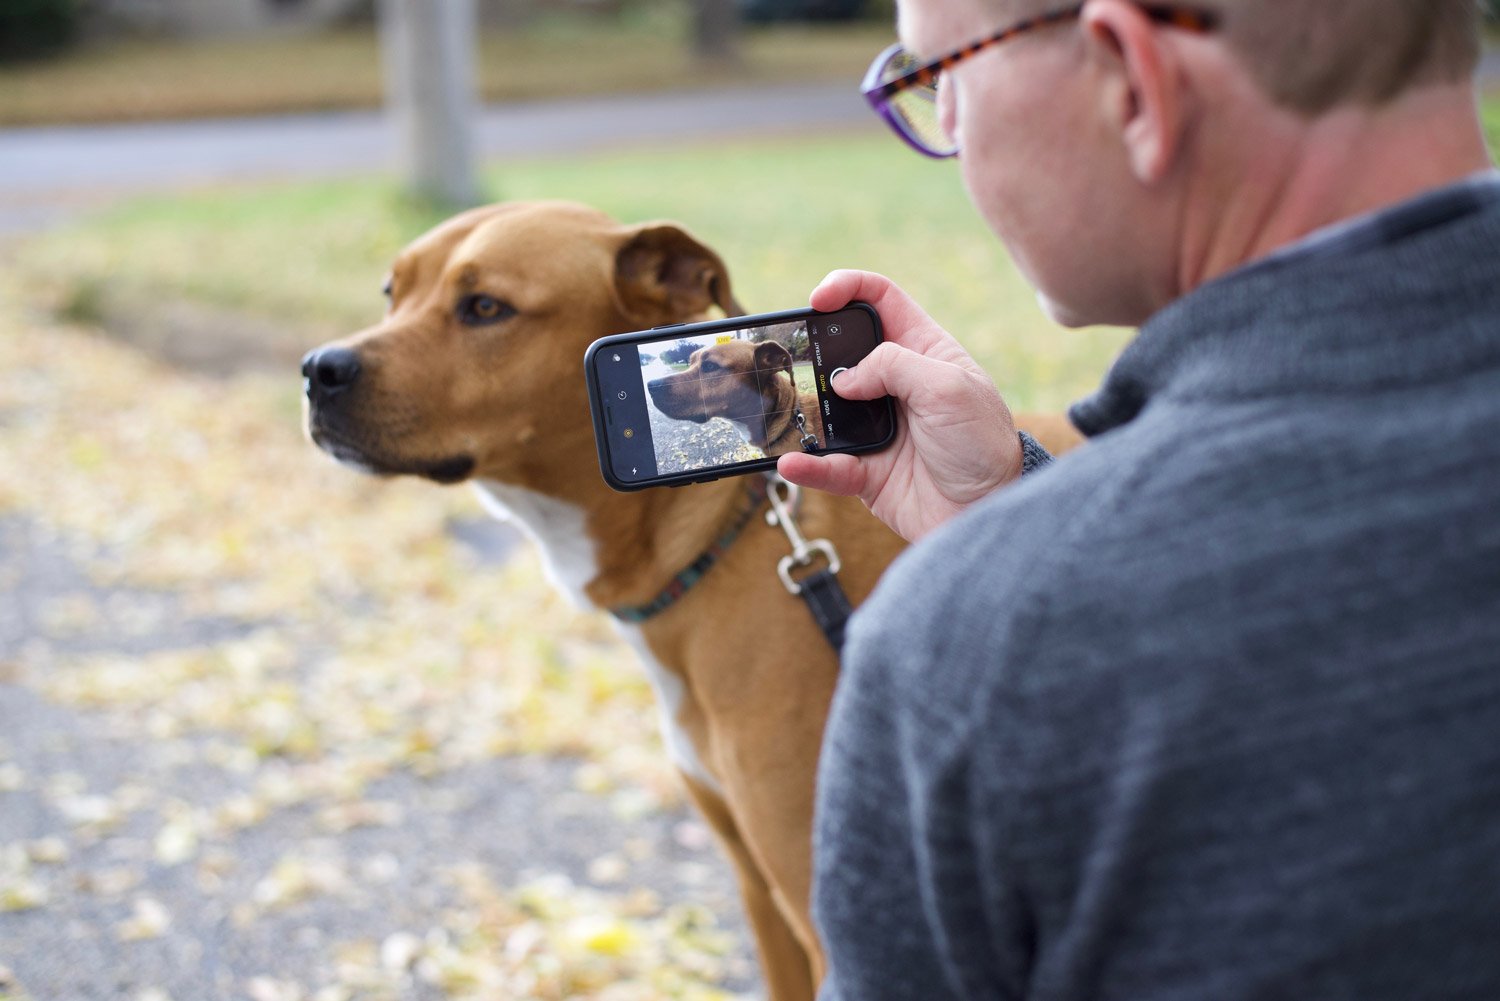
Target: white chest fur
568, 559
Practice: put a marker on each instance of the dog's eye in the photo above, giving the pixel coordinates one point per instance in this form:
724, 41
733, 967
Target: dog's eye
709, 366
477, 310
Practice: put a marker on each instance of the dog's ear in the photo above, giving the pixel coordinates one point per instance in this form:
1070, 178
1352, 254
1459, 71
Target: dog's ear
771, 356
663, 275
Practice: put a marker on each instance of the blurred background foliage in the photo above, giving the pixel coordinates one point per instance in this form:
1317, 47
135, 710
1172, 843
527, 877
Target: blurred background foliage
31, 29
560, 56
104, 67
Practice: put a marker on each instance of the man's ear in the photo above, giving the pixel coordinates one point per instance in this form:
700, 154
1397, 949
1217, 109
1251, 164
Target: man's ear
663, 275
771, 356
1143, 83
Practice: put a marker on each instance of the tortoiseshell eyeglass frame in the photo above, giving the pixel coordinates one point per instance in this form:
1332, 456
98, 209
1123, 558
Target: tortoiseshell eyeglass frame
879, 93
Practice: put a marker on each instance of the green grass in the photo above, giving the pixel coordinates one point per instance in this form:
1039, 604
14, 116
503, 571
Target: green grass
563, 56
804, 377
781, 213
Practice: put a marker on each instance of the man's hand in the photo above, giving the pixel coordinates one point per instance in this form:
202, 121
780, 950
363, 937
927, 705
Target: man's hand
955, 442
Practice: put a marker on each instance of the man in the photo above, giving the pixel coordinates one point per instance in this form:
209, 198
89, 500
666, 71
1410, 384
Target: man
1210, 708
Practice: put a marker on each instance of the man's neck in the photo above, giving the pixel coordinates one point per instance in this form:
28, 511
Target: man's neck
1310, 173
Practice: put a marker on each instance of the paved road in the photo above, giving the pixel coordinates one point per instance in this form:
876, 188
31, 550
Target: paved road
45, 173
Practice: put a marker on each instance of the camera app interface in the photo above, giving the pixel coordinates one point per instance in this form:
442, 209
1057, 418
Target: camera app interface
678, 404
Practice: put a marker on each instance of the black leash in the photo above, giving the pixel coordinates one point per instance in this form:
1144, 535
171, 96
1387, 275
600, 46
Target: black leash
820, 589
829, 605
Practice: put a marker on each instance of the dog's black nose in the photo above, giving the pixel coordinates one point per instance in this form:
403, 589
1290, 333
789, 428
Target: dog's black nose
329, 370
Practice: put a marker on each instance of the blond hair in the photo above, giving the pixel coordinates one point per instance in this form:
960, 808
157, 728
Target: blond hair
1313, 55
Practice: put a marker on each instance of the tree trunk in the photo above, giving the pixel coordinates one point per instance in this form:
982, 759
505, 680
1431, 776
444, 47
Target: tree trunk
716, 31
428, 51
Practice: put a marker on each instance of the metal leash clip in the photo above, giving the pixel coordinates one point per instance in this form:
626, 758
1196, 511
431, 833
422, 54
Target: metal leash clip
785, 498
809, 441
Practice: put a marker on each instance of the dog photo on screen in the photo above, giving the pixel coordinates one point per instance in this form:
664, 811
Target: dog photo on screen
731, 397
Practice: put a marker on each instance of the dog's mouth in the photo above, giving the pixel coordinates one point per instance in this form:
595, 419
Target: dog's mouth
696, 416
452, 469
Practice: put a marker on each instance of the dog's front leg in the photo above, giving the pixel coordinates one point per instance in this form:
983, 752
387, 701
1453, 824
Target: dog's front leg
783, 960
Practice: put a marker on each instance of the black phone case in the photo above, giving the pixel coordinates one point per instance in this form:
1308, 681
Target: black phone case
710, 327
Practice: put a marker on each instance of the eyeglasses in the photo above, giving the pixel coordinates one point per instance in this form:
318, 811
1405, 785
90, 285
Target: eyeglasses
904, 92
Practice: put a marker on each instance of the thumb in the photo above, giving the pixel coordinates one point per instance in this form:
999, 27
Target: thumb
889, 370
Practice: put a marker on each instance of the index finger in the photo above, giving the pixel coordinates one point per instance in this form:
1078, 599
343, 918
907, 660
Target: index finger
905, 322
846, 475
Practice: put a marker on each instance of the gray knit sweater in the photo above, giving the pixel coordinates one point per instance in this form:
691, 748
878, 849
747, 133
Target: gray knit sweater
1209, 709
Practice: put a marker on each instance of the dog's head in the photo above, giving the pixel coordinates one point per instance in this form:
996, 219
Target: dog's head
735, 380
477, 367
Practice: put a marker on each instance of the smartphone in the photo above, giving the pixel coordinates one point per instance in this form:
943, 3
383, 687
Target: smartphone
691, 402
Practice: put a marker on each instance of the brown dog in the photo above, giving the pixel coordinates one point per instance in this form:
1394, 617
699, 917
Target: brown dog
475, 373
750, 385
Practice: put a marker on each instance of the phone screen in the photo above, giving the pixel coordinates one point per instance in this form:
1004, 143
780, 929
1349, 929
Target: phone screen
694, 402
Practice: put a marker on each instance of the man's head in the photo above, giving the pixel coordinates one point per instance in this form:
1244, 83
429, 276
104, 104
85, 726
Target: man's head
1125, 160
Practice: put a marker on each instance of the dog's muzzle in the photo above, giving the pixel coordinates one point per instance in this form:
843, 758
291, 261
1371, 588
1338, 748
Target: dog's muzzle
334, 425
664, 395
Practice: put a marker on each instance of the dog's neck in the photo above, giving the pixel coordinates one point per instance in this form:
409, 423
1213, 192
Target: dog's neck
606, 549
613, 552
558, 529
773, 420
779, 414
752, 431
